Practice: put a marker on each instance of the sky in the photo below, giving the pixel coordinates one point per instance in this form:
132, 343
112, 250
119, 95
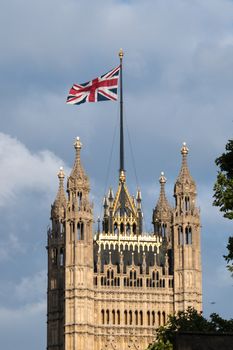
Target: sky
178, 85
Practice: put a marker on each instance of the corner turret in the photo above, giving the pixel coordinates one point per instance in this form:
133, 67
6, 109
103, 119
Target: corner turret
185, 187
162, 213
59, 204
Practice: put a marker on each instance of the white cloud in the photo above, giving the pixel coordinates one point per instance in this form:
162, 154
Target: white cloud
21, 170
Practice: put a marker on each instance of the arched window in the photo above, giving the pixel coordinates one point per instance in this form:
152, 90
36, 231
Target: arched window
79, 198
180, 235
122, 228
107, 316
118, 317
126, 319
113, 317
159, 318
148, 318
130, 317
80, 231
61, 257
134, 229
102, 316
136, 318
188, 235
116, 229
128, 229
186, 204
153, 318
61, 228
141, 318
164, 318
163, 229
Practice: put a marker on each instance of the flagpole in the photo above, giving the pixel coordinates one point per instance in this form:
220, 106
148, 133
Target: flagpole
122, 170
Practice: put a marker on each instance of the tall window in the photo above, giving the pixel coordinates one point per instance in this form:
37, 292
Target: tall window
113, 317
163, 229
118, 317
153, 318
102, 316
148, 318
61, 257
116, 228
180, 235
107, 316
164, 318
80, 231
159, 318
186, 204
126, 318
130, 317
79, 198
141, 318
128, 229
136, 317
188, 235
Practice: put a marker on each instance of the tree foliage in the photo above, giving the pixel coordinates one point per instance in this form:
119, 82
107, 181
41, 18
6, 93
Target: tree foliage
223, 187
188, 321
223, 193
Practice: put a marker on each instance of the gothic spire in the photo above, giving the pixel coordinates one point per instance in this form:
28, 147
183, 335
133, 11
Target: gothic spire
60, 200
78, 178
162, 204
184, 175
162, 212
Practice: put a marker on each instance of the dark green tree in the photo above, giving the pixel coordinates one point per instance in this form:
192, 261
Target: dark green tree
188, 321
223, 193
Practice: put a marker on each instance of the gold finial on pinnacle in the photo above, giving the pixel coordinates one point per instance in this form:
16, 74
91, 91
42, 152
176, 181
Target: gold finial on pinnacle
121, 54
122, 176
77, 144
61, 173
162, 178
184, 149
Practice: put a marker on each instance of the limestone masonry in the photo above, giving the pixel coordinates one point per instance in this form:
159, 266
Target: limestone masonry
112, 288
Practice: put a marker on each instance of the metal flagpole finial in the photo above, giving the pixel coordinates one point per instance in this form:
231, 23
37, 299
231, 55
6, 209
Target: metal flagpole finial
121, 54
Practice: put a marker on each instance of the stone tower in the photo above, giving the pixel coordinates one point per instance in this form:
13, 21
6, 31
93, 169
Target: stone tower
112, 288
56, 277
186, 241
70, 256
79, 304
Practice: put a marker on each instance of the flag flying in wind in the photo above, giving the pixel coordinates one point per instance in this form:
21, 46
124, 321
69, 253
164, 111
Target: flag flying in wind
103, 88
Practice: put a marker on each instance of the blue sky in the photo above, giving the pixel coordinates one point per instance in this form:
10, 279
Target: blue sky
178, 83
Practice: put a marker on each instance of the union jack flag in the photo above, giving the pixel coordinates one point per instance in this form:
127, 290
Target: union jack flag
103, 88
